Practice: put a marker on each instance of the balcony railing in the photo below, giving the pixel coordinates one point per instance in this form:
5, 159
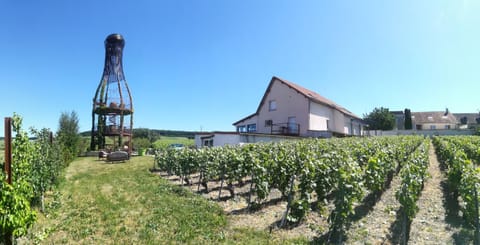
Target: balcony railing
113, 130
292, 129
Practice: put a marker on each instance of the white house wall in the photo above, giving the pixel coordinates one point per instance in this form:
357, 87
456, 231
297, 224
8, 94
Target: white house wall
226, 139
289, 102
438, 126
339, 122
219, 139
319, 115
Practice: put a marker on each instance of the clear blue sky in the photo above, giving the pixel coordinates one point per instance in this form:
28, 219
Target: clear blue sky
195, 65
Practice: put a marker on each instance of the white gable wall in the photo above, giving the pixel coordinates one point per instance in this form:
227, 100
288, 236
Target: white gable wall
289, 103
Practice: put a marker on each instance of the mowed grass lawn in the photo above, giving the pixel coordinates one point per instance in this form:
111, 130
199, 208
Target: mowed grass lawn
123, 203
165, 141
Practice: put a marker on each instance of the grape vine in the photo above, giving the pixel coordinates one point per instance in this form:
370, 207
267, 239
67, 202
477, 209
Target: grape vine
342, 170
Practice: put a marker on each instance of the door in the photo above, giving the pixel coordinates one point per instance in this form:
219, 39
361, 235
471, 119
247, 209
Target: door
292, 126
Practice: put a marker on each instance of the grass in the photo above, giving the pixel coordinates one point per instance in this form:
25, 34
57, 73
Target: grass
124, 203
165, 141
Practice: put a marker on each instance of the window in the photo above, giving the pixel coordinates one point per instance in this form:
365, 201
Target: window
208, 143
447, 126
242, 129
268, 123
328, 124
433, 127
252, 127
272, 105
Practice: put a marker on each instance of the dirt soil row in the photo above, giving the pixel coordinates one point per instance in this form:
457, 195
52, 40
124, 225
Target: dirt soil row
377, 220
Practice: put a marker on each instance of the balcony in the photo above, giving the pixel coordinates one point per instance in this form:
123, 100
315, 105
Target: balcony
291, 129
112, 130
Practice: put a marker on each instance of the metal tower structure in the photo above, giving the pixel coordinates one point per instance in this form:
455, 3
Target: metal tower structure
112, 114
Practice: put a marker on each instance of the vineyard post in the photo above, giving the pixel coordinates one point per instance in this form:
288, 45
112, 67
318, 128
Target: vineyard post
8, 163
477, 233
404, 234
199, 180
221, 183
8, 149
251, 188
50, 138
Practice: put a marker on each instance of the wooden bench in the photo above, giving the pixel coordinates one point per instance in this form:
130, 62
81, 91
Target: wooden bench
118, 156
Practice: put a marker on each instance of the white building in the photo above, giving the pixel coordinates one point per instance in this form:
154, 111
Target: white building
289, 109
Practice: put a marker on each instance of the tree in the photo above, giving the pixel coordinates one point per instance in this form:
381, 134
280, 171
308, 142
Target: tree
149, 134
380, 119
408, 119
68, 135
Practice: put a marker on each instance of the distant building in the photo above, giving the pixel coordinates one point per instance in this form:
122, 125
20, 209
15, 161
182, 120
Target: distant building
290, 109
434, 120
287, 111
467, 120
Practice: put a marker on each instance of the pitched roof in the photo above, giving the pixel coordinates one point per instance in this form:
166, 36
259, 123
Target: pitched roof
309, 94
245, 118
433, 117
471, 117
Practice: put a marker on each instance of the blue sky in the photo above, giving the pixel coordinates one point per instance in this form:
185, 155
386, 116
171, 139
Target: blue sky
202, 65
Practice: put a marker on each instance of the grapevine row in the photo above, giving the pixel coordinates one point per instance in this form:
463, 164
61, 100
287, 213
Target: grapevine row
413, 175
342, 169
35, 169
463, 175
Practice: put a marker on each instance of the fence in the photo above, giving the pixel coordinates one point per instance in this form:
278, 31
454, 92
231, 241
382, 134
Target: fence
419, 132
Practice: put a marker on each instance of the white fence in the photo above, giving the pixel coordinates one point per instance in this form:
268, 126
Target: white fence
419, 132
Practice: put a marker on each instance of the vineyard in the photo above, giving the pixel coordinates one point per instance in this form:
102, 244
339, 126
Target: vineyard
349, 190
461, 156
309, 174
36, 170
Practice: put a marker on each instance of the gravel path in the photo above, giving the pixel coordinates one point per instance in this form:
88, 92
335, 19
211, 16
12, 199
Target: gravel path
430, 225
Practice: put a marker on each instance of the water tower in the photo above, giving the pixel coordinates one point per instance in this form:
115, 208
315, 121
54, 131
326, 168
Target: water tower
112, 114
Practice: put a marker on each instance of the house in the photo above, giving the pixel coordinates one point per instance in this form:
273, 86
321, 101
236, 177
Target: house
287, 108
434, 120
218, 138
466, 120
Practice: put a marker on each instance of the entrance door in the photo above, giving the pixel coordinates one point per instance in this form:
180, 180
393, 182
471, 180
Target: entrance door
292, 126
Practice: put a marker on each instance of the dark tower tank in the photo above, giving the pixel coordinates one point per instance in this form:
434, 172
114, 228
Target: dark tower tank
112, 114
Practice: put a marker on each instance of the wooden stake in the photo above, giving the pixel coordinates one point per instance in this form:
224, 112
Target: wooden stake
8, 164
477, 225
8, 149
